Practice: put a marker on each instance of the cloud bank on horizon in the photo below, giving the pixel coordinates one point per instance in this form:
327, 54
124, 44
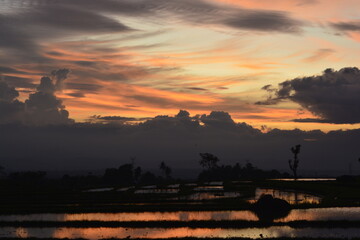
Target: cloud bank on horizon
38, 134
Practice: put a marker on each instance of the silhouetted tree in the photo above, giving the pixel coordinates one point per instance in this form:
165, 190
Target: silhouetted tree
148, 178
209, 161
293, 164
122, 175
28, 177
137, 174
165, 169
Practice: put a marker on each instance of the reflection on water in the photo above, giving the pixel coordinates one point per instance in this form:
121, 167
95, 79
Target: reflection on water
314, 214
199, 196
324, 214
290, 197
100, 233
305, 179
209, 188
173, 216
99, 190
157, 191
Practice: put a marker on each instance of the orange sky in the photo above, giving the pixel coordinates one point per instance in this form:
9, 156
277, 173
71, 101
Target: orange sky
189, 56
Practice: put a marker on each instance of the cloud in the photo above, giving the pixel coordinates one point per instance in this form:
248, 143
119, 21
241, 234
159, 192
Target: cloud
347, 26
307, 2
333, 96
177, 140
4, 69
183, 114
319, 55
7, 94
311, 120
127, 7
10, 108
19, 82
197, 89
204, 12
14, 36
87, 87
114, 118
59, 76
267, 21
72, 19
41, 108
26, 31
218, 119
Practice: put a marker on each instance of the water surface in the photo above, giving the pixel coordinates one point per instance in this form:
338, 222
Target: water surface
292, 197
100, 233
313, 214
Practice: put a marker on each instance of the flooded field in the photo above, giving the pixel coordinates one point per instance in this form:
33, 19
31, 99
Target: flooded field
335, 222
314, 214
100, 233
305, 179
291, 197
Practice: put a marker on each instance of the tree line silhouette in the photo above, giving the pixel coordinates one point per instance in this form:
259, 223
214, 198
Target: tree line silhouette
130, 175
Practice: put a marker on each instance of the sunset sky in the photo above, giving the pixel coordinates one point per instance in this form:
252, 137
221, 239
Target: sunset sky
142, 58
90, 84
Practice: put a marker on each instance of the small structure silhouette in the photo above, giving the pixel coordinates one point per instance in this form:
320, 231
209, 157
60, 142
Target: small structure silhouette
293, 164
268, 208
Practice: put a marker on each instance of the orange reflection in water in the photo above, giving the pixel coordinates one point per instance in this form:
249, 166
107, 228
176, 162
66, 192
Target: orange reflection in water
312, 214
291, 197
162, 216
323, 214
22, 233
156, 233
153, 233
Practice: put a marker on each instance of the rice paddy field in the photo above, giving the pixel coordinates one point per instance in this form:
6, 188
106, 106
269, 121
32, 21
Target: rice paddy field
320, 209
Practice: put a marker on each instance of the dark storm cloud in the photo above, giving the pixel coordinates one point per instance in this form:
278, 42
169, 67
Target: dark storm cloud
333, 96
175, 139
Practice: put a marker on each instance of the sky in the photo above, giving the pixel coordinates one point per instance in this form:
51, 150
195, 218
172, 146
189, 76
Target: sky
260, 67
